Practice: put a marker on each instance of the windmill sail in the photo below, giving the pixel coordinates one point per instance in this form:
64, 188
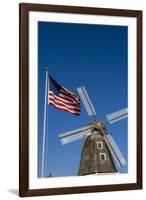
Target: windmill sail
112, 153
116, 153
117, 116
86, 101
74, 135
73, 138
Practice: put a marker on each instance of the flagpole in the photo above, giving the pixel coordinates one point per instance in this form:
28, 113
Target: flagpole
44, 127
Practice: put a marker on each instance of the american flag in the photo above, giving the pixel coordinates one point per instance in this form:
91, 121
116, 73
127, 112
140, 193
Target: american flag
62, 99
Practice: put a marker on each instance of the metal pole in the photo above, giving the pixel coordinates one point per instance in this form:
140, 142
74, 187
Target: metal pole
44, 128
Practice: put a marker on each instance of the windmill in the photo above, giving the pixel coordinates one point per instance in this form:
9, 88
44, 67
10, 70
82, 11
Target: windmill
100, 153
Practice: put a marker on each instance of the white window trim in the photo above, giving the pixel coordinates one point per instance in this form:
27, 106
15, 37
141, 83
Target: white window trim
101, 145
101, 155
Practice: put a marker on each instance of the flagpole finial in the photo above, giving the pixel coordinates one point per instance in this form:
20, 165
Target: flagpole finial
44, 68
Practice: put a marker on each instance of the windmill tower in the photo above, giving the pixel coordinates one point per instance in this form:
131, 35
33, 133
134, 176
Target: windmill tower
100, 153
95, 155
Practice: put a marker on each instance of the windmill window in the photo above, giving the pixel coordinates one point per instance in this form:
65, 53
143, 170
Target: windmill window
102, 156
99, 145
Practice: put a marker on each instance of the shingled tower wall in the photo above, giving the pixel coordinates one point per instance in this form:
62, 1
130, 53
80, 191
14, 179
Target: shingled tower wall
94, 159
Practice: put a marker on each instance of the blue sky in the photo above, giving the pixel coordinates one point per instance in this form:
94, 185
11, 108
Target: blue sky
94, 56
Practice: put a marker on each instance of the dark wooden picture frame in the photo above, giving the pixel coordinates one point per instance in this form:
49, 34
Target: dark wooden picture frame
24, 190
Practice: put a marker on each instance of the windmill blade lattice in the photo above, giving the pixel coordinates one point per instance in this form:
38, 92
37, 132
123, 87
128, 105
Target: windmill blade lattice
86, 101
74, 135
116, 153
117, 116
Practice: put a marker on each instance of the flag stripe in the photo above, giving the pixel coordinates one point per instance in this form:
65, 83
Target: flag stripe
64, 109
68, 100
67, 97
62, 99
65, 92
63, 104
